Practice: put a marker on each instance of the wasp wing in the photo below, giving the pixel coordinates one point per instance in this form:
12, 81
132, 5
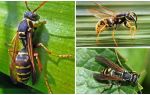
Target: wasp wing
109, 63
13, 51
31, 56
105, 10
99, 14
100, 77
102, 12
13, 74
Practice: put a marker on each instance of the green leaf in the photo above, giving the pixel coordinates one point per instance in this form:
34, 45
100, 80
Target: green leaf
8, 87
87, 66
86, 21
57, 35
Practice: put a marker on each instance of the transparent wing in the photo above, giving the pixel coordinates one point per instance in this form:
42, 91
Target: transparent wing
13, 51
99, 14
104, 9
102, 12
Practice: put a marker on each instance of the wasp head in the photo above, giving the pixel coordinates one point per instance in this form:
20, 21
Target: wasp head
131, 16
135, 77
32, 16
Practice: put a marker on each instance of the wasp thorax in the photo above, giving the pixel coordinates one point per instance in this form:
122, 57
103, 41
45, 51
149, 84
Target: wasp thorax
32, 16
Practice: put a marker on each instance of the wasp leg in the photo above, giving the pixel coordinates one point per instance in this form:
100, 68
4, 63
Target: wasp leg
40, 70
38, 61
100, 27
39, 24
132, 29
47, 84
110, 86
140, 92
113, 36
58, 55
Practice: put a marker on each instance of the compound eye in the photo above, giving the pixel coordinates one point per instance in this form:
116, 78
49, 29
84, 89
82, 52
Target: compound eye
33, 15
132, 16
37, 17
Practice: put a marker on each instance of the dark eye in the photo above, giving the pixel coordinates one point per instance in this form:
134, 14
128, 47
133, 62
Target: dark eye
33, 16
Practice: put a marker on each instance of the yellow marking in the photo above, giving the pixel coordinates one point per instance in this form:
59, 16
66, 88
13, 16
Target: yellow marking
132, 29
109, 69
23, 74
19, 79
99, 28
21, 33
22, 79
28, 20
105, 70
23, 53
22, 67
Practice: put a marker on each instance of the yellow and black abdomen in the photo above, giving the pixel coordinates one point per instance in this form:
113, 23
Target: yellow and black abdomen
23, 66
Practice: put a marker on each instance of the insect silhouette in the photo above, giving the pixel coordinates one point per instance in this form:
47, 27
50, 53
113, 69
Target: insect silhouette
115, 73
111, 19
22, 61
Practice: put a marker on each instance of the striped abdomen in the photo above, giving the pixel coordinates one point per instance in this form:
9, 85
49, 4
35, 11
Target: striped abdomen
108, 71
23, 67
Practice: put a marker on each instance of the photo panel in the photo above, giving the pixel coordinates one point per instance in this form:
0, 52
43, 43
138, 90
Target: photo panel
112, 23
37, 47
112, 70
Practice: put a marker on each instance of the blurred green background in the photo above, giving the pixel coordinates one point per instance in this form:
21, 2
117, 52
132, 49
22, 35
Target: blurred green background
57, 34
86, 21
133, 59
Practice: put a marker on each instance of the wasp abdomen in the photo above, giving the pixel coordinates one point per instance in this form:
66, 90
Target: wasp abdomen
23, 67
109, 71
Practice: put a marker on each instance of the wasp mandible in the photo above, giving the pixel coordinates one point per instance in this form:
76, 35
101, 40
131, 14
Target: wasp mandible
115, 73
111, 19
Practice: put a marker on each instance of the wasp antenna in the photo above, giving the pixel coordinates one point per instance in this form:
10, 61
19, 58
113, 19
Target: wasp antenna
40, 6
27, 6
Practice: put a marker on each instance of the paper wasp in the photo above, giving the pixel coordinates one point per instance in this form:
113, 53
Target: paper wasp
22, 60
115, 72
111, 19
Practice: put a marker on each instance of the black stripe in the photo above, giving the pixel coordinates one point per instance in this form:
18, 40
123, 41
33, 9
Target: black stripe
22, 63
23, 70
